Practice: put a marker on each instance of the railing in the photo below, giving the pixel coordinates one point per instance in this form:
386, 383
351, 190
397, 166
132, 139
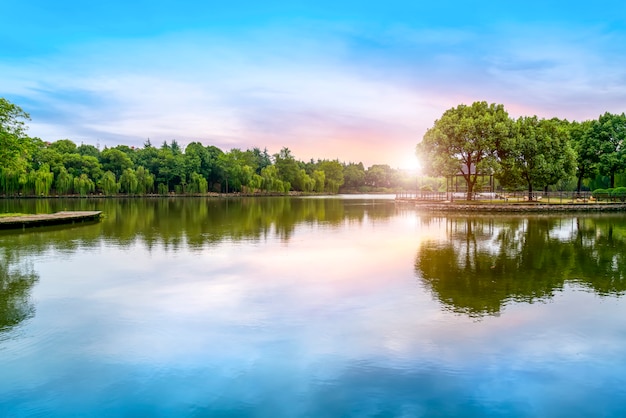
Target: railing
429, 196
513, 197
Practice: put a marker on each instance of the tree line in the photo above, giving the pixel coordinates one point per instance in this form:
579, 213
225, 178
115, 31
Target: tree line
32, 166
525, 153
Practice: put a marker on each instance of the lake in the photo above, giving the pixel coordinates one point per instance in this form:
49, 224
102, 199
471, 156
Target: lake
311, 307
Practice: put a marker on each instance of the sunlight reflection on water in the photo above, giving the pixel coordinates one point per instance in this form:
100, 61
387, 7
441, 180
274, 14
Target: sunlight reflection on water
345, 313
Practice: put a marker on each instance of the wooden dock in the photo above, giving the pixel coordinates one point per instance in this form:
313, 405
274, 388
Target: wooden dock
29, 221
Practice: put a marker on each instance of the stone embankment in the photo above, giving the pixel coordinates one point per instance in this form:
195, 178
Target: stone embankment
515, 207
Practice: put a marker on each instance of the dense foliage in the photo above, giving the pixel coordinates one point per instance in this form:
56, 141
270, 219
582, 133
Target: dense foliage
469, 141
465, 140
33, 167
528, 152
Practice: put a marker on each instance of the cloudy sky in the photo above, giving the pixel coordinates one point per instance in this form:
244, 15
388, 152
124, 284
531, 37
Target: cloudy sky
351, 80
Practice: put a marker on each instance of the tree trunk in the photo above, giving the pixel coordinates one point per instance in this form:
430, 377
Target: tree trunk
530, 191
579, 185
612, 180
471, 181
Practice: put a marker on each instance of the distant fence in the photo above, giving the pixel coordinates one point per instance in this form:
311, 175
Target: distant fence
548, 197
429, 196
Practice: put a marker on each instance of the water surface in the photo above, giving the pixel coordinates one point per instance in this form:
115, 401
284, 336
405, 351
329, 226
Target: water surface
311, 307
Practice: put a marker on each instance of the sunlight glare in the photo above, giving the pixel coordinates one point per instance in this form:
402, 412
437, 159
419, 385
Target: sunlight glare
411, 163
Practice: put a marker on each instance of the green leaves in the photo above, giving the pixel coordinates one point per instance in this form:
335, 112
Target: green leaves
465, 141
610, 133
538, 154
15, 146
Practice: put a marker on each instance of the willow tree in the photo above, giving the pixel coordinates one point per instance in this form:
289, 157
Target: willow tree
128, 181
83, 185
465, 141
64, 181
108, 184
333, 173
197, 183
42, 180
145, 180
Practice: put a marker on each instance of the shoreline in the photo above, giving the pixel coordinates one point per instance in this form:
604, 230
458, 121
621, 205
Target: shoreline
515, 207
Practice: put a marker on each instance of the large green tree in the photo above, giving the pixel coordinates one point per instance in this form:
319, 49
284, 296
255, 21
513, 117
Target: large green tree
90, 150
15, 146
171, 167
559, 151
465, 141
286, 165
148, 157
115, 160
77, 164
381, 175
261, 158
538, 154
354, 176
216, 175
197, 160
610, 131
64, 146
587, 148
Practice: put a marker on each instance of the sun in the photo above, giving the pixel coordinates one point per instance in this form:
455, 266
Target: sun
411, 163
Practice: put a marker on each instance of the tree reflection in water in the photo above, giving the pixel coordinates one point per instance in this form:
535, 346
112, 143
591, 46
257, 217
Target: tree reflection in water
168, 222
16, 281
483, 263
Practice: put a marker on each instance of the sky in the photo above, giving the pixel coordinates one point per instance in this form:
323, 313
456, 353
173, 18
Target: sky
349, 80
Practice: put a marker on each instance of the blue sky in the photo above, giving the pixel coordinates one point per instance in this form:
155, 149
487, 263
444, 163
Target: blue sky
350, 80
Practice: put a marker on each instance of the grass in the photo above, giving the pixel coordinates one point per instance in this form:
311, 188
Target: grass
6, 215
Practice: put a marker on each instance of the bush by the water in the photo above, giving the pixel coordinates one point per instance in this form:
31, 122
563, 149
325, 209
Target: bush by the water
601, 194
619, 193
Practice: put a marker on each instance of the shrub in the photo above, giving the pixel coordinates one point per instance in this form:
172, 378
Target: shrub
600, 194
619, 193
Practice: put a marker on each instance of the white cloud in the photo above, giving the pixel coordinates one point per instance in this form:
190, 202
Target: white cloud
315, 91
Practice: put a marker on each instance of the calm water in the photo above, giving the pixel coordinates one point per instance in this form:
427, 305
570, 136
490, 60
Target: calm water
288, 307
